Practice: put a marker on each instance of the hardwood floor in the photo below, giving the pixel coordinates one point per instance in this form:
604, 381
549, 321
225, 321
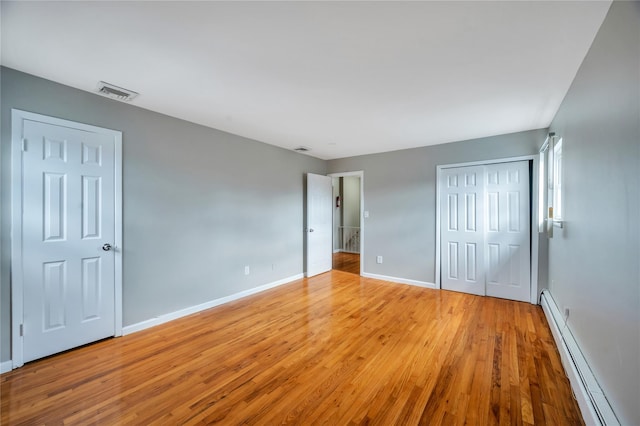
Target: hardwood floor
334, 349
347, 262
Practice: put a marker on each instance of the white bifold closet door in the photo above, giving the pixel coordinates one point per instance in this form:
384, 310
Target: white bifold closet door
485, 230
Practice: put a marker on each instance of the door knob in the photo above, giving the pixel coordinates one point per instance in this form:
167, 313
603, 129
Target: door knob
106, 247
310, 229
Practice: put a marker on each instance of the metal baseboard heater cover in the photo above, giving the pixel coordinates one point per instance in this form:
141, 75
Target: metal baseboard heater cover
593, 403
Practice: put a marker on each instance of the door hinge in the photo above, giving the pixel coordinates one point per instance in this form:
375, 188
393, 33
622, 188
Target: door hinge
21, 330
24, 145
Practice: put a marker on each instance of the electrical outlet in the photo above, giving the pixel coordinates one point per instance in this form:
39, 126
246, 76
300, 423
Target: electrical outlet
366, 214
247, 271
379, 259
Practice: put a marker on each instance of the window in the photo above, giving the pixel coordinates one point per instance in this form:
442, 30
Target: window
542, 188
557, 181
550, 211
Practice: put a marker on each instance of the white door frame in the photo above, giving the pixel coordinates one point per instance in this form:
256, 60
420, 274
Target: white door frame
360, 174
17, 289
534, 215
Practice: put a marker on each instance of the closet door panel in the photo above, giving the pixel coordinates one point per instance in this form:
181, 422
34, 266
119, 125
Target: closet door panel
508, 232
461, 233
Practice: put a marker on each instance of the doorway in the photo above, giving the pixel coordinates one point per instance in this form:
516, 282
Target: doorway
347, 222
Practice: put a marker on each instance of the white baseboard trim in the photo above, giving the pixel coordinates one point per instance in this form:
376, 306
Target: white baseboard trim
399, 280
207, 305
594, 406
6, 366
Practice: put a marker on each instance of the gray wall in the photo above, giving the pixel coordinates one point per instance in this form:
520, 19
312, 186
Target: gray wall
593, 261
199, 204
400, 196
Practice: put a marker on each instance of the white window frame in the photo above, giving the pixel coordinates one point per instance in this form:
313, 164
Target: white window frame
550, 193
542, 188
557, 181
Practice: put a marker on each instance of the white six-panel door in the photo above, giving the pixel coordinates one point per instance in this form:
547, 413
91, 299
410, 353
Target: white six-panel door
68, 238
508, 249
319, 224
462, 229
485, 230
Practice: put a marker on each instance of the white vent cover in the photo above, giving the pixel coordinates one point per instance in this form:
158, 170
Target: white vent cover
114, 92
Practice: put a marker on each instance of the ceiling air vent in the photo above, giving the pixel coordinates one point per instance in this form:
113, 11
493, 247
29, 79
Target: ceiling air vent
114, 92
302, 149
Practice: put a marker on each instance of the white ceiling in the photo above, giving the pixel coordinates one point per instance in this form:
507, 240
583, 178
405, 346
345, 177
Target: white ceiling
343, 78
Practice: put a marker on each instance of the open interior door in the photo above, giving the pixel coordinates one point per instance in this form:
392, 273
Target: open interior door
319, 224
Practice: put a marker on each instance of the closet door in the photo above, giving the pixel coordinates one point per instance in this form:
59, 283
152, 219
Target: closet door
462, 230
507, 224
485, 230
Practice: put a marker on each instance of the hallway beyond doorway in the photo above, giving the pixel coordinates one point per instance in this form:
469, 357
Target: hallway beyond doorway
347, 262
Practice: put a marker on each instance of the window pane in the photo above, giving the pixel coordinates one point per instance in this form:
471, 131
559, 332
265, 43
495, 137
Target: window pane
557, 180
542, 190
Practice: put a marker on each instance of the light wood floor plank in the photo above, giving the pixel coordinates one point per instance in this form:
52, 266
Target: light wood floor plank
333, 349
347, 262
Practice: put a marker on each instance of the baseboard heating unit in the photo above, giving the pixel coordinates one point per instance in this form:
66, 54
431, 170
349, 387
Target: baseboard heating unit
594, 406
